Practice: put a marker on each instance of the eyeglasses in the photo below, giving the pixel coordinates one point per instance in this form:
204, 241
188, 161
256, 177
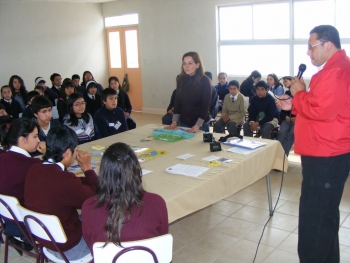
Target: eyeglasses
312, 47
79, 104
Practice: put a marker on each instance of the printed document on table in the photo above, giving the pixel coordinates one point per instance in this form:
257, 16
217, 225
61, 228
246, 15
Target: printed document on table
188, 170
248, 144
243, 151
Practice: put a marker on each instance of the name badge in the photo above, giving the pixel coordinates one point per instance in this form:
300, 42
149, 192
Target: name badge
117, 125
79, 131
111, 124
88, 130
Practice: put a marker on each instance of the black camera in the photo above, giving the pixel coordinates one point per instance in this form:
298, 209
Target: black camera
215, 147
207, 137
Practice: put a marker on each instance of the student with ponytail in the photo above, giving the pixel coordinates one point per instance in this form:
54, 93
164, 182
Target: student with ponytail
122, 210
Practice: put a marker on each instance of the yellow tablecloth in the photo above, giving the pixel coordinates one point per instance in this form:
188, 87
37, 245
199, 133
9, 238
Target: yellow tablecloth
184, 195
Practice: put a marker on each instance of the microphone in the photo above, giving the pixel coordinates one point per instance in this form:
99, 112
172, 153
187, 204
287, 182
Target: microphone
302, 68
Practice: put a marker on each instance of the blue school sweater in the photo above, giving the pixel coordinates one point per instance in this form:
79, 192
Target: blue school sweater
110, 122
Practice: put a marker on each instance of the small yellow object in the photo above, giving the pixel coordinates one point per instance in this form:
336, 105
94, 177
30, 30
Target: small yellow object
98, 147
214, 163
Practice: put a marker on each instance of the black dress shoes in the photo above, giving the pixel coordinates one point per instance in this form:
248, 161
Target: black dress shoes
21, 244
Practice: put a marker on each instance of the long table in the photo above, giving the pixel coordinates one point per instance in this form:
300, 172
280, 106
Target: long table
183, 194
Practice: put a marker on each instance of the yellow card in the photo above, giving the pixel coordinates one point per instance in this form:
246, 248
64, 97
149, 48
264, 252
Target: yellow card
98, 147
214, 163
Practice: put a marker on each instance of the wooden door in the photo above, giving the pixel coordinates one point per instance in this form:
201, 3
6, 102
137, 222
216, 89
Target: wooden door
124, 57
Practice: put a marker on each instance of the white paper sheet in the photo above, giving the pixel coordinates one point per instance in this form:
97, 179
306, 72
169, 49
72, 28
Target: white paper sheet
188, 170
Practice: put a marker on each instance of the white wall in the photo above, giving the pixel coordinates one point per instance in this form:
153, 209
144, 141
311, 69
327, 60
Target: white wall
40, 38
167, 30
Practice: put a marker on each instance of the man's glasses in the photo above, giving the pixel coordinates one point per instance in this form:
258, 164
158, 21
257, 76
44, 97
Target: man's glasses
312, 47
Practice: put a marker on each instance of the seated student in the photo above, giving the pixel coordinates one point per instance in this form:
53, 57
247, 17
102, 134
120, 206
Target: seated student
92, 99
122, 210
123, 101
42, 110
50, 189
66, 90
19, 91
79, 120
56, 81
12, 107
87, 76
4, 117
80, 89
110, 119
49, 93
20, 138
221, 89
287, 119
262, 112
233, 110
274, 86
28, 112
167, 119
40, 90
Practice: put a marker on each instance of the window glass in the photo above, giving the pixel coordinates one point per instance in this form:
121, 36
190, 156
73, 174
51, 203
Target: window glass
271, 21
235, 22
243, 59
123, 20
308, 14
343, 18
132, 54
114, 50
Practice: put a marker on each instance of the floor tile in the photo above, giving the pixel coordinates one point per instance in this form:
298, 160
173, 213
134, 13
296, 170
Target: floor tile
262, 202
283, 221
290, 243
242, 197
272, 237
344, 253
245, 250
251, 214
345, 205
278, 256
344, 236
225, 208
235, 227
191, 254
224, 259
346, 222
289, 208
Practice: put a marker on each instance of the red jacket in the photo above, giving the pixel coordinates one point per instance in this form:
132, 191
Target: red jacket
322, 126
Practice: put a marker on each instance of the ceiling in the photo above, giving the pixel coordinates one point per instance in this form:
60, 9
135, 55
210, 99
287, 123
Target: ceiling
73, 1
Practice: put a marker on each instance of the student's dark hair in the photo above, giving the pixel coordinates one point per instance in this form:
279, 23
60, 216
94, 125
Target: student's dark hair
66, 81
275, 78
73, 119
22, 90
32, 94
85, 72
113, 78
58, 140
198, 74
54, 75
208, 74
65, 85
75, 76
91, 85
5, 87
107, 92
119, 188
19, 127
262, 84
327, 33
287, 77
233, 83
40, 102
249, 80
39, 88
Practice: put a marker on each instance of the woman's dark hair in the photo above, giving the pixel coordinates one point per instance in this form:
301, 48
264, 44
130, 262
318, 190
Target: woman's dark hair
85, 72
119, 188
19, 127
32, 94
199, 71
255, 74
107, 92
58, 140
66, 84
22, 90
113, 78
73, 119
40, 102
327, 33
275, 78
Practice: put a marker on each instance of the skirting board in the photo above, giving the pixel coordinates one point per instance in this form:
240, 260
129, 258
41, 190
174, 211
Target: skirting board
154, 111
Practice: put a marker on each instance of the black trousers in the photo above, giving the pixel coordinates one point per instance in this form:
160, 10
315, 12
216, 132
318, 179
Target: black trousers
321, 192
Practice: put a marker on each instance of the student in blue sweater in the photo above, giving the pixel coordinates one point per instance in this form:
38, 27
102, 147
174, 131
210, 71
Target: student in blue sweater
262, 111
110, 119
12, 107
221, 89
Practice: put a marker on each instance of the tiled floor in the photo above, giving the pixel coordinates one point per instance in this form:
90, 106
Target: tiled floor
229, 231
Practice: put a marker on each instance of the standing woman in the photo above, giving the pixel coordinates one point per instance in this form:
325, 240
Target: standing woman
66, 90
122, 210
193, 97
274, 86
79, 120
19, 91
87, 76
247, 86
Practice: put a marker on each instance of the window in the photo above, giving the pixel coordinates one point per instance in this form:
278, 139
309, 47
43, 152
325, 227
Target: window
123, 20
272, 36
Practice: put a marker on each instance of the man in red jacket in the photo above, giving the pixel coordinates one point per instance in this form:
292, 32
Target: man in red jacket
50, 189
322, 138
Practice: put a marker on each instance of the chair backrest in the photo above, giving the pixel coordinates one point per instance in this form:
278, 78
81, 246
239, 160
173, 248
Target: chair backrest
162, 246
54, 112
37, 222
8, 207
